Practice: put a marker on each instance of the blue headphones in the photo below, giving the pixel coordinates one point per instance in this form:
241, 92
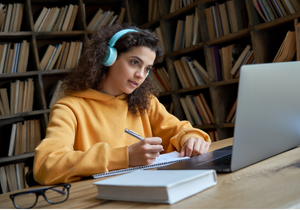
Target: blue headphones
111, 52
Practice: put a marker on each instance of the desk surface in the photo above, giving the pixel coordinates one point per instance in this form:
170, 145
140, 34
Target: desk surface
272, 183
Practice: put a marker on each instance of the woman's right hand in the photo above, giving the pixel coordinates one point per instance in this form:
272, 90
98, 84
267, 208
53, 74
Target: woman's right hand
145, 151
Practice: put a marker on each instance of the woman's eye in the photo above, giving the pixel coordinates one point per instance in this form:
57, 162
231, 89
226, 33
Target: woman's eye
134, 62
148, 69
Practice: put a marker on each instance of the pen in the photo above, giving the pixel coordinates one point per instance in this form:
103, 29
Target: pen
134, 134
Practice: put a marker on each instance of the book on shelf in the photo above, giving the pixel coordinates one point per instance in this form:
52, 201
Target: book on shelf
152, 10
231, 112
179, 35
156, 186
240, 59
46, 56
5, 100
206, 107
54, 93
68, 17
12, 139
226, 61
195, 72
217, 63
201, 70
187, 112
201, 110
287, 49
213, 134
210, 23
121, 16
160, 37
196, 38
188, 71
193, 109
189, 25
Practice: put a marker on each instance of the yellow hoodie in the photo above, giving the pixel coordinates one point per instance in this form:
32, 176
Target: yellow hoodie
85, 136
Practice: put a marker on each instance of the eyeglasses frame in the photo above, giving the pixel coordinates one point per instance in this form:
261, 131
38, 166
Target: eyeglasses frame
41, 191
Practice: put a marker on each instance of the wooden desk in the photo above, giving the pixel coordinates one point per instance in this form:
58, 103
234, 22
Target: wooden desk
272, 183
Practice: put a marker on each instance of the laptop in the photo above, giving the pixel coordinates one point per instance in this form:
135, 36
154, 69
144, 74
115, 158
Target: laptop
267, 119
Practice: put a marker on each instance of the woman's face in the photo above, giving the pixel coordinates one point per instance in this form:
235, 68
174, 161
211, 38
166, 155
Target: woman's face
129, 71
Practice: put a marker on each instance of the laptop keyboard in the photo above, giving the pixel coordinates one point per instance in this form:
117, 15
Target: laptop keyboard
221, 161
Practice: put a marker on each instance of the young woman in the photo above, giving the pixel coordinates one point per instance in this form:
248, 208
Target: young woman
104, 96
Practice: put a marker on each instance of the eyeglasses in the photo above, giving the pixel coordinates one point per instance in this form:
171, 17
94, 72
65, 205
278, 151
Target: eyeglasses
53, 195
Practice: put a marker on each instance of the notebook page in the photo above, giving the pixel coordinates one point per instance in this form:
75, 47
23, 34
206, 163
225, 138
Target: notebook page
167, 157
162, 160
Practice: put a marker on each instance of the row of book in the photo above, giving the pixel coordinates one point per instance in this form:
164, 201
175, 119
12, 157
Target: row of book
223, 19
56, 19
12, 177
161, 80
228, 60
197, 110
61, 56
178, 4
190, 72
14, 57
273, 9
11, 17
152, 10
187, 32
21, 97
105, 18
24, 137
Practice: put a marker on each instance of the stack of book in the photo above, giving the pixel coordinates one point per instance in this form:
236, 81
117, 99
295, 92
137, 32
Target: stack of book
14, 57
20, 99
228, 60
178, 4
187, 32
190, 72
56, 19
12, 177
197, 110
24, 137
224, 18
230, 118
105, 18
273, 9
287, 49
161, 80
61, 56
11, 16
152, 10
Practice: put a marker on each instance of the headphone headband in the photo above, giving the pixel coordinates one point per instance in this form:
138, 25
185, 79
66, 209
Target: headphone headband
118, 35
111, 52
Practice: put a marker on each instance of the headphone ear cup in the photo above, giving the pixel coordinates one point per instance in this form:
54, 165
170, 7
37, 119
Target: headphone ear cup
110, 56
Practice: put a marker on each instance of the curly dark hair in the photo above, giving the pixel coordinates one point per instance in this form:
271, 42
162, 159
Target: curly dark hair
90, 71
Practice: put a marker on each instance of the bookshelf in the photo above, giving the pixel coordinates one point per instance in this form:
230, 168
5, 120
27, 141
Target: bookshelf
264, 37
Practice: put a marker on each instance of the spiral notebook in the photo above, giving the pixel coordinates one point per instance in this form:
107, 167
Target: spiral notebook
162, 160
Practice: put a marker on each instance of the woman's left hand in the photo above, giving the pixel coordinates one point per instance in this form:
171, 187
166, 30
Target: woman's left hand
193, 147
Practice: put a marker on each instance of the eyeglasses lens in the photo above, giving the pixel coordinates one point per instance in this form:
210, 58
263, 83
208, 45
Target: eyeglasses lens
25, 201
57, 194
